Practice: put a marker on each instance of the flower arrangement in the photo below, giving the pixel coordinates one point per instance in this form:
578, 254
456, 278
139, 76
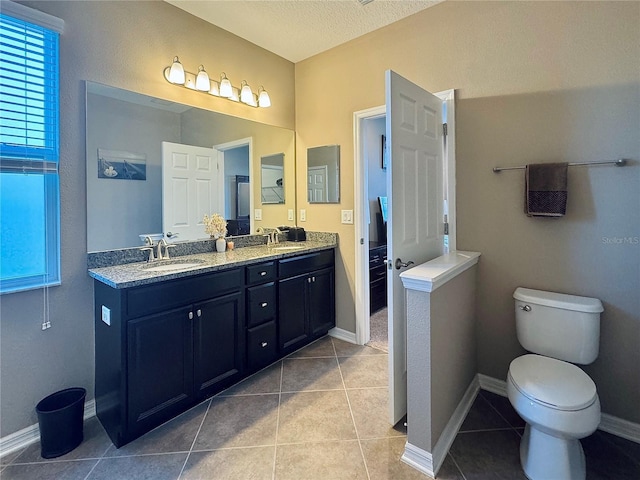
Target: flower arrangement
215, 225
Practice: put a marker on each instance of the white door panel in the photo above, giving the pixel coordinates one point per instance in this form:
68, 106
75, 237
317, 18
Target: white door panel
190, 185
415, 196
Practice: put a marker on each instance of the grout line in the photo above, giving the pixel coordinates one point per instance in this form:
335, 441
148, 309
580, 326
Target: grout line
457, 466
355, 427
195, 438
275, 446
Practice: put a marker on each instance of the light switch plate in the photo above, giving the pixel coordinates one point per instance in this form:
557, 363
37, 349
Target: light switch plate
303, 215
347, 216
257, 214
290, 214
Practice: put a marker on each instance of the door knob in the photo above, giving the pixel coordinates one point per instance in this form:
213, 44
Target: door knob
400, 264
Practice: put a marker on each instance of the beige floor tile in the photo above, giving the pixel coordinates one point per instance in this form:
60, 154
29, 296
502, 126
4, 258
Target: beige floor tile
346, 349
314, 416
304, 374
264, 381
319, 348
383, 460
365, 371
239, 421
320, 461
370, 408
255, 463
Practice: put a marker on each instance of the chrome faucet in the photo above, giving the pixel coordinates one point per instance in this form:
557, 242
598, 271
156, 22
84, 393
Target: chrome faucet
163, 250
272, 237
148, 247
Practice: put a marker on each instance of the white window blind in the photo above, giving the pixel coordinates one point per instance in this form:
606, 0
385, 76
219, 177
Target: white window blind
29, 154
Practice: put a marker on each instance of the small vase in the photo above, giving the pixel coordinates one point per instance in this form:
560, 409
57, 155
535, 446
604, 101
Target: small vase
221, 244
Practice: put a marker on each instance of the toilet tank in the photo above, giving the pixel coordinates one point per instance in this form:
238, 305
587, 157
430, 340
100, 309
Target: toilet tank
566, 327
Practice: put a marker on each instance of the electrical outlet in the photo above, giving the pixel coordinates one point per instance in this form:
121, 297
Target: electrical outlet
257, 214
303, 215
106, 315
347, 216
290, 214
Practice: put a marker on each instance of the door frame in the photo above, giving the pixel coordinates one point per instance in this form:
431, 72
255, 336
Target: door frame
361, 199
221, 148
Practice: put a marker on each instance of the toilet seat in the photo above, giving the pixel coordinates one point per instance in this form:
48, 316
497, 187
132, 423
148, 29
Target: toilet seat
553, 383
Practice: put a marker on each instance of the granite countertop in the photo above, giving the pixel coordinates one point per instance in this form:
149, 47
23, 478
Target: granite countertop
136, 274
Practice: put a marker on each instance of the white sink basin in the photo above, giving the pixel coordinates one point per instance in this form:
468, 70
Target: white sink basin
169, 267
292, 247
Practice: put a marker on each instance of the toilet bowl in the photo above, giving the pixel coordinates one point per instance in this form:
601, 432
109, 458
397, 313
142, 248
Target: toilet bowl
556, 399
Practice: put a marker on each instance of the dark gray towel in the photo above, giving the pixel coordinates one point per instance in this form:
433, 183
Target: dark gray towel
545, 189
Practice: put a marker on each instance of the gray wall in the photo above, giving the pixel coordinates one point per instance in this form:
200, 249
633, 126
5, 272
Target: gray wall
441, 355
126, 45
118, 205
535, 82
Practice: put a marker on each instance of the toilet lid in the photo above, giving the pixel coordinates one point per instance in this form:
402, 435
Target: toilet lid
552, 382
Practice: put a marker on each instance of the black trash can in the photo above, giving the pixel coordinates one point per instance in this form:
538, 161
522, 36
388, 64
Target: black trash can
60, 417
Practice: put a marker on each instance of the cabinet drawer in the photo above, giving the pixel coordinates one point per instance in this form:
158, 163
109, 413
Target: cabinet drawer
290, 267
175, 293
261, 345
377, 256
264, 272
378, 273
261, 303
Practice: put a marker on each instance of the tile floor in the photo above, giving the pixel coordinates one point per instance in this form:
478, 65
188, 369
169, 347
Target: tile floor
317, 414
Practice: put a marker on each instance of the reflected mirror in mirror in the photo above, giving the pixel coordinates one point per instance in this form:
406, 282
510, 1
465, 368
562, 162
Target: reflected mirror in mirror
130, 126
272, 178
323, 174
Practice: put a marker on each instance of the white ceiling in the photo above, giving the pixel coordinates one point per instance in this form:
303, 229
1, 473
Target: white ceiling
299, 29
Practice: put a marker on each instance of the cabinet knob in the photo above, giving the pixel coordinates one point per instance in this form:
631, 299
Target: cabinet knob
309, 280
264, 344
262, 274
190, 315
263, 304
199, 312
314, 279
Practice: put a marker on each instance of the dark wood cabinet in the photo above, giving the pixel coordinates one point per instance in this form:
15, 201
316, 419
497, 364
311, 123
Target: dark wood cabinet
160, 372
218, 343
306, 299
377, 277
169, 345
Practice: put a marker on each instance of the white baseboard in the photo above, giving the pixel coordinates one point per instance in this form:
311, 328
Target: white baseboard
430, 462
341, 334
25, 437
608, 423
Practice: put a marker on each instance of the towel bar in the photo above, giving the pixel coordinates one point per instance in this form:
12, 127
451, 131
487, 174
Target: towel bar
621, 162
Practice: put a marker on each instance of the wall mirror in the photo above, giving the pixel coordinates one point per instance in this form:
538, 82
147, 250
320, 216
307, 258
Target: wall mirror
125, 133
272, 178
323, 174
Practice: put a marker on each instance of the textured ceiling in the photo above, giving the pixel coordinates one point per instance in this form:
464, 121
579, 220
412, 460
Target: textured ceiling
299, 29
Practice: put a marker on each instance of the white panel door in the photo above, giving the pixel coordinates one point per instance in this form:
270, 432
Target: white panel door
189, 189
415, 229
318, 186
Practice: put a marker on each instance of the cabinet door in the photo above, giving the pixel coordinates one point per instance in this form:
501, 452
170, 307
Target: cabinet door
160, 368
321, 302
292, 317
218, 343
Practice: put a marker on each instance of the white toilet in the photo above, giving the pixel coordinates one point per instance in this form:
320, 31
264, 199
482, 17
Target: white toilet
558, 400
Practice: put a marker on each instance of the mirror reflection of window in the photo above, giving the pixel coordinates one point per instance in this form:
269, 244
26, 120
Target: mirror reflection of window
272, 177
323, 174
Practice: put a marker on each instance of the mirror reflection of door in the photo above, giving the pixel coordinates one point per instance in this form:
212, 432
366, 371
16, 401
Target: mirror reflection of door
323, 174
317, 184
272, 177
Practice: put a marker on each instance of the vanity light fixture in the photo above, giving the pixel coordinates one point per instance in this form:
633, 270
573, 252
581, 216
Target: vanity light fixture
176, 72
201, 81
264, 100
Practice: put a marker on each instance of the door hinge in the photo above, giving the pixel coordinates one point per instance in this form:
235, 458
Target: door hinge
444, 129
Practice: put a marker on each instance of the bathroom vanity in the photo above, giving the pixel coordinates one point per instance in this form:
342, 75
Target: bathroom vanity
166, 341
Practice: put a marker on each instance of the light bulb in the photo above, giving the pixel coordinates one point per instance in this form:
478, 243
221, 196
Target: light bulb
176, 74
246, 95
263, 98
202, 80
225, 86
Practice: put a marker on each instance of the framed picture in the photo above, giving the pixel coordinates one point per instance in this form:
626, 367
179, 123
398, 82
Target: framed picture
383, 152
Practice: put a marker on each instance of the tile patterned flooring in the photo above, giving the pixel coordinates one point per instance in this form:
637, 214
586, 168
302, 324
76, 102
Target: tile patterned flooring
317, 414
